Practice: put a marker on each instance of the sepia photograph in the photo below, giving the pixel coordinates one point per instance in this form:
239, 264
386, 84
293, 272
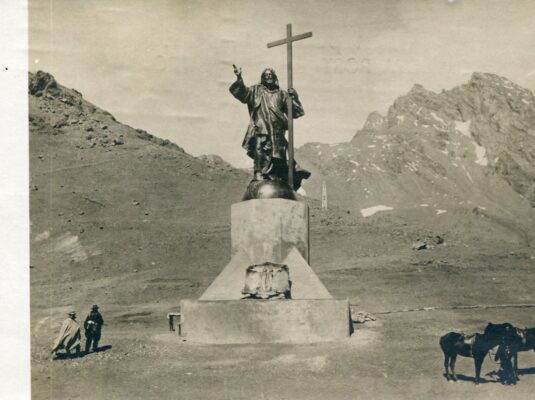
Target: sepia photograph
277, 200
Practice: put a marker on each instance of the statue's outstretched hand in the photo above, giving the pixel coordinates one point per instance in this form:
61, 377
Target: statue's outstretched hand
237, 71
293, 93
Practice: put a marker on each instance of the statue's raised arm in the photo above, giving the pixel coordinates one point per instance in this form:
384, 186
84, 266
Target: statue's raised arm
237, 71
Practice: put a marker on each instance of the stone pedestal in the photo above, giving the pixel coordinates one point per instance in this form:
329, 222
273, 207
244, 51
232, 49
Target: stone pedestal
265, 321
266, 230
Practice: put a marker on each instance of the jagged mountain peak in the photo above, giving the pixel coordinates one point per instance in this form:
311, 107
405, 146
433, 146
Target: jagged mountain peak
485, 94
374, 122
419, 88
487, 78
473, 144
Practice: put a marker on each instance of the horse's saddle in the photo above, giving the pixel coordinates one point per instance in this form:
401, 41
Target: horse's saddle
469, 339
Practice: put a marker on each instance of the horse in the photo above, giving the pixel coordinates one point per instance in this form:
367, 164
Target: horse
475, 346
527, 342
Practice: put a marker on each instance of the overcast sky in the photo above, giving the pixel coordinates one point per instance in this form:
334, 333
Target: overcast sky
165, 66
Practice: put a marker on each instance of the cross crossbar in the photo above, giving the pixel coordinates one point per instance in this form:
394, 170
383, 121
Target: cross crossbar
290, 39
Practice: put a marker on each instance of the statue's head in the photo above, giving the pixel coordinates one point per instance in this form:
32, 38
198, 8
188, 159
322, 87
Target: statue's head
269, 79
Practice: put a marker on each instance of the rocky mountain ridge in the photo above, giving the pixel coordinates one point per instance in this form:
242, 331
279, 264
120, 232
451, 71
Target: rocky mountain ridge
470, 148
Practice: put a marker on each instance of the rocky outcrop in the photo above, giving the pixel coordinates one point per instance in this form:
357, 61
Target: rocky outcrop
42, 83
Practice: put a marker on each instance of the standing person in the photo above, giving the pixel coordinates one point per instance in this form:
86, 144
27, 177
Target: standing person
69, 336
264, 140
92, 326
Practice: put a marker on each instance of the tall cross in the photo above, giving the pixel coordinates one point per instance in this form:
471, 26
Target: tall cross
288, 40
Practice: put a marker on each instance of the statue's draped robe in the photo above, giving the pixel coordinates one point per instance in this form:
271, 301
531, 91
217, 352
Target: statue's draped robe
264, 140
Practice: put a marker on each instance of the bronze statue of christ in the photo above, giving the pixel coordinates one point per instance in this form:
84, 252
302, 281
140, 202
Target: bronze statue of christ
265, 140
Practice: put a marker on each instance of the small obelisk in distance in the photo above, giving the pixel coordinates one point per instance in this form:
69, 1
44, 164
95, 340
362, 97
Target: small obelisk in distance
324, 196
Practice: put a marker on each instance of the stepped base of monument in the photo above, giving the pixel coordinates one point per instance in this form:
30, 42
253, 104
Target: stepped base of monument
265, 321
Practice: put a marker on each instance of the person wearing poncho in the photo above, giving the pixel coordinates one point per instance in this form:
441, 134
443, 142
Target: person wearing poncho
69, 336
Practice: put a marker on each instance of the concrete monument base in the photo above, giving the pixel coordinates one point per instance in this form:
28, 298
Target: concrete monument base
276, 231
265, 321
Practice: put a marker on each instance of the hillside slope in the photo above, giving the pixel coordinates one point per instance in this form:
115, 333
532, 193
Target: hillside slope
108, 200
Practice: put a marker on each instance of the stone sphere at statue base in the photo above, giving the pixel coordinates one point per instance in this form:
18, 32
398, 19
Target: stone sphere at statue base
269, 189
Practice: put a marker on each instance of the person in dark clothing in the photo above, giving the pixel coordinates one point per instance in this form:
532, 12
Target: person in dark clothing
92, 326
505, 353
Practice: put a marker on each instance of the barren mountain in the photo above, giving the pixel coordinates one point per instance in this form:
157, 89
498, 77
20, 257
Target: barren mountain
463, 155
107, 199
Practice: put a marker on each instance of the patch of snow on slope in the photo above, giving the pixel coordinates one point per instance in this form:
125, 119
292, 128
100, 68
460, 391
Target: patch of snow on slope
441, 211
70, 244
481, 158
436, 117
469, 176
354, 162
412, 165
42, 236
463, 127
366, 212
376, 167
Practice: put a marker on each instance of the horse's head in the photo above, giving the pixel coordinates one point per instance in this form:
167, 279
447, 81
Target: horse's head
530, 337
505, 334
523, 335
